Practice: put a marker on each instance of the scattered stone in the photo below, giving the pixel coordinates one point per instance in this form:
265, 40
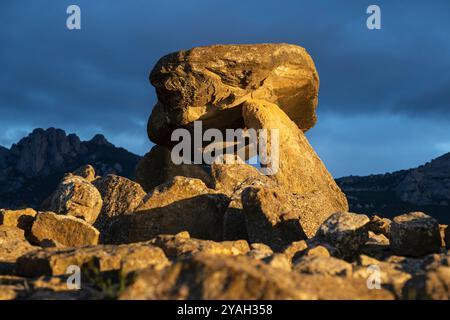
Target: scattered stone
182, 204
127, 258
433, 285
22, 219
380, 225
50, 229
120, 196
318, 251
221, 277
12, 245
325, 265
377, 246
87, 172
442, 231
278, 261
259, 251
76, 197
345, 231
182, 245
157, 167
294, 249
210, 84
415, 234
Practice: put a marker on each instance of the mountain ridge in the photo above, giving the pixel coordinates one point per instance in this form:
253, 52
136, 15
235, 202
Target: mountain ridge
32, 167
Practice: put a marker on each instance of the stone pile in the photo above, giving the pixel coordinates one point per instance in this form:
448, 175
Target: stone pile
221, 231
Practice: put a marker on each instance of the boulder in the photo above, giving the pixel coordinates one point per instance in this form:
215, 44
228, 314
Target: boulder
433, 285
156, 168
210, 84
50, 229
22, 219
12, 245
272, 217
182, 204
259, 251
415, 234
380, 225
87, 172
222, 277
182, 245
314, 264
345, 231
294, 165
120, 196
127, 258
77, 197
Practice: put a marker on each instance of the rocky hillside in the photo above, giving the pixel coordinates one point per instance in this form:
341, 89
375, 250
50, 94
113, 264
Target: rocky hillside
426, 188
220, 230
32, 168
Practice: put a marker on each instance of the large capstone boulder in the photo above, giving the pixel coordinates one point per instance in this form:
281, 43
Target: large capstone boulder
210, 84
77, 197
182, 204
345, 231
157, 167
87, 172
415, 234
53, 230
120, 196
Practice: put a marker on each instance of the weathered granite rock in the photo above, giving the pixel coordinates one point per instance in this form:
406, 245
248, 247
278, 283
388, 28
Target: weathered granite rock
447, 238
392, 276
345, 231
55, 261
415, 234
206, 276
294, 249
76, 197
380, 225
210, 84
50, 229
182, 245
156, 168
22, 219
377, 246
323, 265
259, 251
300, 170
87, 172
272, 217
433, 285
182, 204
12, 245
120, 196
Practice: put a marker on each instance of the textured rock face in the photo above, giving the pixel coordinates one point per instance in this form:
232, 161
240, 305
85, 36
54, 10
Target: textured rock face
380, 226
76, 197
156, 167
210, 83
240, 278
182, 245
54, 262
323, 265
50, 229
87, 172
22, 219
182, 204
12, 245
346, 231
272, 217
415, 234
120, 196
300, 169
433, 285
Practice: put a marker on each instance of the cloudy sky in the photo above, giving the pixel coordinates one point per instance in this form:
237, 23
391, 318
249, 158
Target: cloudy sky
384, 101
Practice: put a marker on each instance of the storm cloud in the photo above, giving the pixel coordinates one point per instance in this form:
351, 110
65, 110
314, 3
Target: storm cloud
384, 101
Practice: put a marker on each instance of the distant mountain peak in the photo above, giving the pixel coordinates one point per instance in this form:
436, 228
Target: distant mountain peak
34, 165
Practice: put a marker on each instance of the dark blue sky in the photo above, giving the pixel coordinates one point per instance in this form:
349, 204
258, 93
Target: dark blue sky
384, 100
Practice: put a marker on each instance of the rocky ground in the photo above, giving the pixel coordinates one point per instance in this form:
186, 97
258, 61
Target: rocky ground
221, 230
